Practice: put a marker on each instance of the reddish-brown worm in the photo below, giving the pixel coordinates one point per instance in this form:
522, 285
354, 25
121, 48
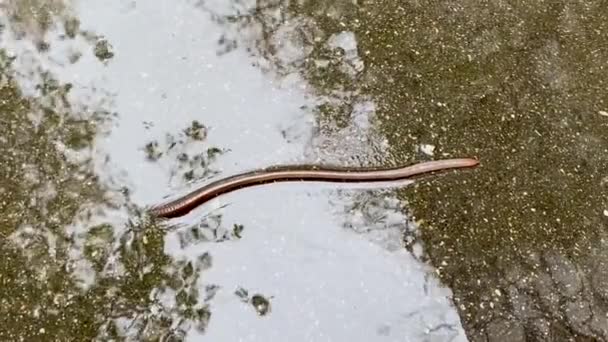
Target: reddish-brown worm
186, 203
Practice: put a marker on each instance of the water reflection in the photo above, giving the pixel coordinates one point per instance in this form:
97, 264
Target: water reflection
519, 85
101, 121
69, 268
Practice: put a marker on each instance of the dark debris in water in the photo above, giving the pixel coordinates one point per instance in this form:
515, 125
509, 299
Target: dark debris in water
191, 166
103, 50
259, 302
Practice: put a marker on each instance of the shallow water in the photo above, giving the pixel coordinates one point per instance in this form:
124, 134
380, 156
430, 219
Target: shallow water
111, 107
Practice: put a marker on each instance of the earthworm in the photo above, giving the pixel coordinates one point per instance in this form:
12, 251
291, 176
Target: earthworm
188, 202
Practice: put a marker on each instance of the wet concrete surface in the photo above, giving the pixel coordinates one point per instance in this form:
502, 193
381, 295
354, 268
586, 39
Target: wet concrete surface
521, 240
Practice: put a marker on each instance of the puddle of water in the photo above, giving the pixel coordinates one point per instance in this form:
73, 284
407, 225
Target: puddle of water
323, 282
